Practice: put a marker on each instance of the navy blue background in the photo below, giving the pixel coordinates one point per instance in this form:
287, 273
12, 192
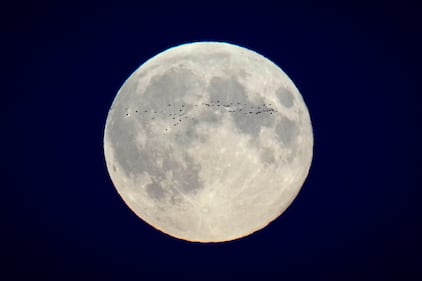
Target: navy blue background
356, 65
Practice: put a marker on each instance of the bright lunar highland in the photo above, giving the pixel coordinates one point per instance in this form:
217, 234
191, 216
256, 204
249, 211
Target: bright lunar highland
208, 141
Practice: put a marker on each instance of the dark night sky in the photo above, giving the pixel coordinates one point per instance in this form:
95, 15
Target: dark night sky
356, 65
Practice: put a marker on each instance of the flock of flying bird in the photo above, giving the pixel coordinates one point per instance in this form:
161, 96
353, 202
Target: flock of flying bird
178, 114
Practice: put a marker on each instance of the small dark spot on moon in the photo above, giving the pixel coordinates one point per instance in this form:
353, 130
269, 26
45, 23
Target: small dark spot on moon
287, 131
285, 96
267, 156
155, 191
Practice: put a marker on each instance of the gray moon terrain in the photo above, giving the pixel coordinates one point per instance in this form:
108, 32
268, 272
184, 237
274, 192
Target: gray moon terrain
208, 142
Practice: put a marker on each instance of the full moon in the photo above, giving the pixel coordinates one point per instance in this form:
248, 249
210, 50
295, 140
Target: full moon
208, 142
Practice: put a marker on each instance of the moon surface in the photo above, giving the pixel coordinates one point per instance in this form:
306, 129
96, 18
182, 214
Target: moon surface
208, 142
